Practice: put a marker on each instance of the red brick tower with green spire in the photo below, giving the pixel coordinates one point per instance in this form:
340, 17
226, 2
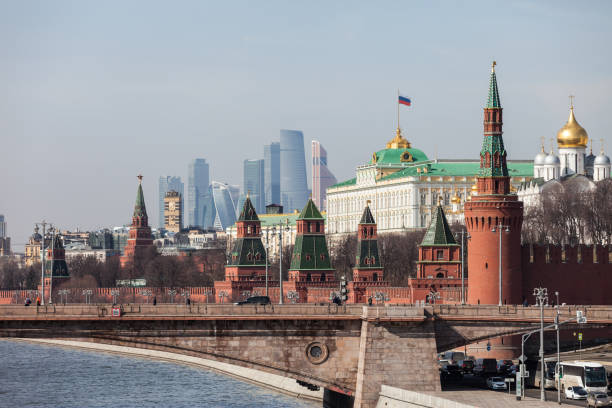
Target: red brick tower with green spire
491, 207
310, 259
140, 240
246, 262
368, 271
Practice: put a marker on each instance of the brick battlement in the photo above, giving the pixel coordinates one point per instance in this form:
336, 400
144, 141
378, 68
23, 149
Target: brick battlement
566, 254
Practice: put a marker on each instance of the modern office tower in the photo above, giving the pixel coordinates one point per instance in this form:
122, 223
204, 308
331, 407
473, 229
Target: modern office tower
253, 183
173, 203
5, 242
225, 214
272, 173
198, 180
234, 191
321, 176
294, 186
168, 183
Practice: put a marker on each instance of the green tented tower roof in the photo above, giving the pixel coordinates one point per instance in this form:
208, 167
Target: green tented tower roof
139, 208
248, 212
310, 212
438, 233
493, 99
367, 217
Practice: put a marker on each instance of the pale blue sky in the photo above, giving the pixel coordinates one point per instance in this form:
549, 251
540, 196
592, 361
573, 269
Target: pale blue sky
93, 93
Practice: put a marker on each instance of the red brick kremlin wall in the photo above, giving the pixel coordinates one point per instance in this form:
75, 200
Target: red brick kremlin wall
580, 274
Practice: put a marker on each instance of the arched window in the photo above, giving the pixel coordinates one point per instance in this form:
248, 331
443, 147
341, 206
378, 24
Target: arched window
440, 275
375, 276
322, 277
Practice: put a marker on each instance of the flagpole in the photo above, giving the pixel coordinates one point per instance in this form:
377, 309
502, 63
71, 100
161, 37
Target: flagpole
397, 103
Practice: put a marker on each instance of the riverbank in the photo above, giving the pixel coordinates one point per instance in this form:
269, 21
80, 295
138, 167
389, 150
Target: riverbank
274, 382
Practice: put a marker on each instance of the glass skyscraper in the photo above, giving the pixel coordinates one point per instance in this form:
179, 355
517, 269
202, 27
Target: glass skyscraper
293, 183
167, 183
272, 173
225, 214
253, 183
198, 196
321, 176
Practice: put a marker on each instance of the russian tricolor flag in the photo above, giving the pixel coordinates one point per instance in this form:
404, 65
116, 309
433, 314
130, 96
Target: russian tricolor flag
403, 100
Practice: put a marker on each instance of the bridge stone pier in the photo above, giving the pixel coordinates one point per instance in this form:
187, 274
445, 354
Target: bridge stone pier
349, 350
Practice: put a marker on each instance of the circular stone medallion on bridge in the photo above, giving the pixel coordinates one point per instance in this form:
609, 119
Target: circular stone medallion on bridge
317, 352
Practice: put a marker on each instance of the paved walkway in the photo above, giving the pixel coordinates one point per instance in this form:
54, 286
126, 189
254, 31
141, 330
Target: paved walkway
392, 397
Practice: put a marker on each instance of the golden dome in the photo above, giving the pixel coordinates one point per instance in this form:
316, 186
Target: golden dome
474, 187
572, 134
456, 200
398, 142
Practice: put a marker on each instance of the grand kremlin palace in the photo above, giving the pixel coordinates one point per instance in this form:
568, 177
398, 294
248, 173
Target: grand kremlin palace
404, 187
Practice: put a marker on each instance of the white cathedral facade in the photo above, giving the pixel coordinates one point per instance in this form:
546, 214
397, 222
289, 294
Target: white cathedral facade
572, 162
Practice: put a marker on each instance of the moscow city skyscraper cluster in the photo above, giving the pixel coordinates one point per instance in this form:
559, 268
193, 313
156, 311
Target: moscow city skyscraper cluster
279, 178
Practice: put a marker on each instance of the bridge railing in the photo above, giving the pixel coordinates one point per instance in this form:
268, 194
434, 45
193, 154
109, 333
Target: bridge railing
521, 312
105, 310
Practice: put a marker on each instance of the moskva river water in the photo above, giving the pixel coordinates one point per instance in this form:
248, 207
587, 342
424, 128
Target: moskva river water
33, 375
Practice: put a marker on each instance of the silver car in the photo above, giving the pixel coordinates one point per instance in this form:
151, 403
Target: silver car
598, 399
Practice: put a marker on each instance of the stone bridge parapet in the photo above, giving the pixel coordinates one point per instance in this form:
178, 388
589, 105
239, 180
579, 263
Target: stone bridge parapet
349, 349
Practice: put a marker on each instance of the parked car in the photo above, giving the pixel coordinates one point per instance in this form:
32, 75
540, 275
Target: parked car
466, 366
598, 399
255, 300
496, 383
575, 393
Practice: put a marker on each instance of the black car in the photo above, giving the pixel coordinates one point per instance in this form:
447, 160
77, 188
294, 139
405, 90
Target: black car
255, 300
466, 366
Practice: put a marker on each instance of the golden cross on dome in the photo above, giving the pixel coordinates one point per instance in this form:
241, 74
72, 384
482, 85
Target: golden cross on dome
139, 178
493, 66
571, 101
543, 139
602, 145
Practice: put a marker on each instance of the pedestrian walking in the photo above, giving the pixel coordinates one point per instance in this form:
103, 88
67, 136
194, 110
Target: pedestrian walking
38, 301
154, 300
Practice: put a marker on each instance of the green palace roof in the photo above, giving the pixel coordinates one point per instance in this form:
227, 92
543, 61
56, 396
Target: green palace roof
451, 169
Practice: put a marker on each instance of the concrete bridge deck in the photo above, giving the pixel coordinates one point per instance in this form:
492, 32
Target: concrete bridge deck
350, 349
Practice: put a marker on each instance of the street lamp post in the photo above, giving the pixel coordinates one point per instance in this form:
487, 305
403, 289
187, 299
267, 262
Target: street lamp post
499, 228
464, 235
281, 229
541, 295
267, 251
52, 230
42, 254
558, 351
222, 295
